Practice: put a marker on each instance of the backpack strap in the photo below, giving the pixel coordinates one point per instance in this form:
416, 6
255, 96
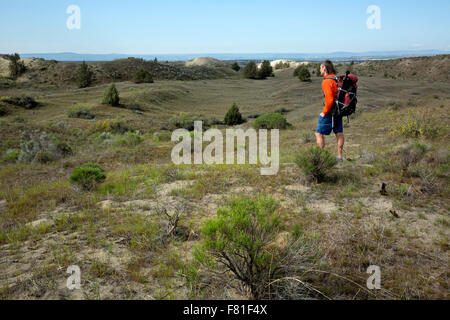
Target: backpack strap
335, 100
333, 78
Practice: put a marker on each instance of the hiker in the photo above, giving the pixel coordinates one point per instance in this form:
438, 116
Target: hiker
327, 122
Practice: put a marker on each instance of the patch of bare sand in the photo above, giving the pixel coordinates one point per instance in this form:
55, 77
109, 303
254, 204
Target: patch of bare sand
4, 67
30, 63
211, 202
147, 206
21, 271
47, 218
297, 187
324, 206
167, 188
244, 189
378, 205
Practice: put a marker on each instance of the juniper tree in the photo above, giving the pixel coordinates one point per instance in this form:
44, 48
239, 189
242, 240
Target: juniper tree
85, 76
250, 70
111, 96
266, 70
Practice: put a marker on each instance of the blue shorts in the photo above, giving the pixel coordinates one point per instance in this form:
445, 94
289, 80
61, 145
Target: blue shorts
325, 125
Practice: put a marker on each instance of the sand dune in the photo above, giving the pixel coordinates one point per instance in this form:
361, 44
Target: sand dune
206, 62
30, 63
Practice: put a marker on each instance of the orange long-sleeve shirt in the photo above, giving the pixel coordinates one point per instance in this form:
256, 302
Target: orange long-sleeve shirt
330, 89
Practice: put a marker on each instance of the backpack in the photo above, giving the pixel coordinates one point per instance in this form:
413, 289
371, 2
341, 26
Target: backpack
346, 97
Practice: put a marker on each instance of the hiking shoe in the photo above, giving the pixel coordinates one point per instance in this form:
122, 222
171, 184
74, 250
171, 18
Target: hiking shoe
339, 159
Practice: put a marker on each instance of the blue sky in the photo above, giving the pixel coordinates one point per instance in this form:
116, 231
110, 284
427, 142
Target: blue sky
245, 26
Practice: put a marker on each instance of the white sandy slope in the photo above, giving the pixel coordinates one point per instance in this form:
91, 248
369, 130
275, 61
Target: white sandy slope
30, 63
4, 71
206, 62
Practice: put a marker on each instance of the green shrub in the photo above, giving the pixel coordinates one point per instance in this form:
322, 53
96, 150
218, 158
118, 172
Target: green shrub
43, 157
271, 121
105, 136
3, 111
186, 121
418, 125
318, 70
131, 139
88, 176
235, 66
11, 156
143, 76
254, 115
266, 70
306, 137
113, 126
315, 163
282, 65
238, 238
303, 74
233, 116
111, 96
411, 154
297, 70
250, 70
19, 119
80, 112
38, 146
163, 135
247, 239
23, 101
85, 76
282, 111
64, 149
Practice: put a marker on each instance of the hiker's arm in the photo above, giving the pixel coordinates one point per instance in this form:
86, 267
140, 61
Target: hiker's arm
329, 98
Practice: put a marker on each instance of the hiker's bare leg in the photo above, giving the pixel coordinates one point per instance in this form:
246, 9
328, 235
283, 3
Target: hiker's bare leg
340, 143
320, 140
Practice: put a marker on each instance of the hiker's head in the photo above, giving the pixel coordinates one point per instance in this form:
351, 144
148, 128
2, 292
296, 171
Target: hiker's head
327, 67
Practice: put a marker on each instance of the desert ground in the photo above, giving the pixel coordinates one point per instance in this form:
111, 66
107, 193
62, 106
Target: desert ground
117, 233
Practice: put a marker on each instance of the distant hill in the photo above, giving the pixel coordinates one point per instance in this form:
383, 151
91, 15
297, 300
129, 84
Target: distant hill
64, 73
51, 72
435, 68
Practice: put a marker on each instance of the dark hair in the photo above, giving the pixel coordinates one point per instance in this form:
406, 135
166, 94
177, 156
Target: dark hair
329, 66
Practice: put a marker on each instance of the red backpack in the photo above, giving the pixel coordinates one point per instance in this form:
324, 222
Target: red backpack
346, 97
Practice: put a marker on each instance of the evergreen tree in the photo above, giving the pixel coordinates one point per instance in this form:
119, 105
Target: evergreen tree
266, 70
143, 76
85, 76
235, 66
111, 96
304, 75
250, 70
233, 116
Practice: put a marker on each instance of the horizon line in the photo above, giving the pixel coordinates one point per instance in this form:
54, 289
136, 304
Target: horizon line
195, 53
